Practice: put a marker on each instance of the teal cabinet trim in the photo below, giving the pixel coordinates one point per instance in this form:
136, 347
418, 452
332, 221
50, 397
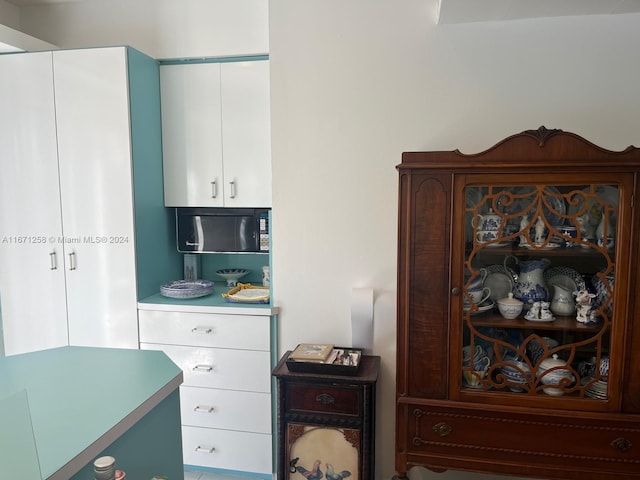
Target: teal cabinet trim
157, 259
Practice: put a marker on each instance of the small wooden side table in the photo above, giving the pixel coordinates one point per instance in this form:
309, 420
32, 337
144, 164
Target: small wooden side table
326, 423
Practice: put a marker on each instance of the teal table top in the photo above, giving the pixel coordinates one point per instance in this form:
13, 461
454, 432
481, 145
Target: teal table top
81, 399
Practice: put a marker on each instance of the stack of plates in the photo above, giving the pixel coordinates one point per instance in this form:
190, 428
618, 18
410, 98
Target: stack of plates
187, 288
597, 390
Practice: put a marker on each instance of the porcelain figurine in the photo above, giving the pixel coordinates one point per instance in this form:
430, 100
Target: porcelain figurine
585, 314
584, 224
524, 225
539, 239
545, 313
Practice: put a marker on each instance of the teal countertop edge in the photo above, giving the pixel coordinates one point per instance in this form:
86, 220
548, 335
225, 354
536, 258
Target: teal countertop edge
82, 399
213, 303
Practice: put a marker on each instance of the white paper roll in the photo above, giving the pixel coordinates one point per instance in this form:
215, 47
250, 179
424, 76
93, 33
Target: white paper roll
362, 318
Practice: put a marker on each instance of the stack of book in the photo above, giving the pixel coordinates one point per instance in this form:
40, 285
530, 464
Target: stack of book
313, 352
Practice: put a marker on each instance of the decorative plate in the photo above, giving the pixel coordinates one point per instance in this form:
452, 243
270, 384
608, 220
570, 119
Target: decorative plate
500, 281
186, 288
247, 293
518, 201
548, 246
481, 308
607, 194
565, 277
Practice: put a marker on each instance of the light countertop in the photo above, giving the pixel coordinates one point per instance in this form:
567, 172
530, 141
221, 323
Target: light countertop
213, 303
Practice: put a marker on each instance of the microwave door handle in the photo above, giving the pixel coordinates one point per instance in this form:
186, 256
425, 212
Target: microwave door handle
199, 234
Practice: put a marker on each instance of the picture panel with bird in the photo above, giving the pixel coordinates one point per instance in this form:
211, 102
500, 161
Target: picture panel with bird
322, 452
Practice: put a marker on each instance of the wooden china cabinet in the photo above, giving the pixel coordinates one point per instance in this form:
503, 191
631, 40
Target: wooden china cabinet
549, 218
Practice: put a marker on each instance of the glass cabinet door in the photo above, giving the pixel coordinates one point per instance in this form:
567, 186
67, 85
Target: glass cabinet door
539, 288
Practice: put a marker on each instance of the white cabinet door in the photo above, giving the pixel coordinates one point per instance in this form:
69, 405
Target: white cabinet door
216, 134
246, 134
92, 114
32, 288
192, 135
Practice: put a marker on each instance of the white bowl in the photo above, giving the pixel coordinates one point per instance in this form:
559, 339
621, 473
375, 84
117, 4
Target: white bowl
510, 307
232, 275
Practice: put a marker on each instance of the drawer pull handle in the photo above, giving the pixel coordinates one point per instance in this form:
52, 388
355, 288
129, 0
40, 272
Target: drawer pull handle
200, 448
202, 368
621, 444
325, 399
203, 409
201, 330
442, 429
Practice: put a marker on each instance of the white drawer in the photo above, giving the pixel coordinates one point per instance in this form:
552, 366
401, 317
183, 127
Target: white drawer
227, 409
248, 332
240, 451
246, 370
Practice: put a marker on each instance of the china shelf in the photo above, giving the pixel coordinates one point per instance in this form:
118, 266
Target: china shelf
560, 323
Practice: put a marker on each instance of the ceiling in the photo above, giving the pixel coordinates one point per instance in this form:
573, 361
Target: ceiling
463, 11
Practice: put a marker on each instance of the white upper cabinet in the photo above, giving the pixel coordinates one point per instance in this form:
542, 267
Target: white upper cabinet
246, 134
192, 135
216, 134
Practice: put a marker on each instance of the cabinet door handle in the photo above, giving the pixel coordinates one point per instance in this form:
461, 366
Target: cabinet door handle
54, 260
232, 193
72, 261
203, 409
202, 368
200, 448
214, 189
201, 330
325, 399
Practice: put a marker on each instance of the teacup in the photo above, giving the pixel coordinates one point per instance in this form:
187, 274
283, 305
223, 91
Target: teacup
478, 295
474, 377
484, 236
478, 353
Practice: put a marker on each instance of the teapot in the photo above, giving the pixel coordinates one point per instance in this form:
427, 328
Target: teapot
488, 221
530, 286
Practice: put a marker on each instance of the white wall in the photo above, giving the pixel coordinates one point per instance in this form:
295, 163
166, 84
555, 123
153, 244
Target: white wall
354, 84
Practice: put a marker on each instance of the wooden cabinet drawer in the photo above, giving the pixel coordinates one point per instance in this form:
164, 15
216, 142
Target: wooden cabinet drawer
226, 449
244, 370
227, 409
246, 332
323, 398
594, 444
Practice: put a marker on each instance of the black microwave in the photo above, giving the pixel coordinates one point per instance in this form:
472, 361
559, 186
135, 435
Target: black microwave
222, 230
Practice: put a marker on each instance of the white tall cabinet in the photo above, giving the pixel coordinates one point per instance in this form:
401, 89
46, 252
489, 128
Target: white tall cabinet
67, 236
32, 275
216, 134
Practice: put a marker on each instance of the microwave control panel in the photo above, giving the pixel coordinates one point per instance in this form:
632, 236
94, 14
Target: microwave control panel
264, 232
